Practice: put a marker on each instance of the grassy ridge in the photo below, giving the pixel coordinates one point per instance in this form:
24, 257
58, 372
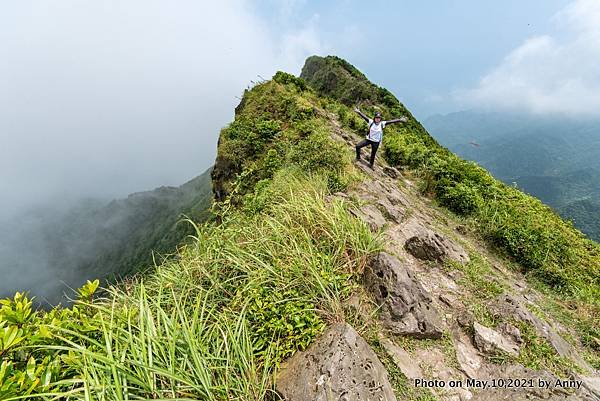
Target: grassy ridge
544, 244
211, 325
215, 322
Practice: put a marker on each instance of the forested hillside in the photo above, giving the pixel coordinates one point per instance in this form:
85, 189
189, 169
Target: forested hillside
49, 252
553, 158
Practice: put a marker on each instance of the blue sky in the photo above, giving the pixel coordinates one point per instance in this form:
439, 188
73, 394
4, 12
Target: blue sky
424, 50
105, 98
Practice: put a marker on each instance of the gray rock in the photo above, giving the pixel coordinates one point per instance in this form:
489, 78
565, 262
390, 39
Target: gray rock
390, 211
536, 392
407, 308
391, 172
371, 215
491, 342
339, 365
405, 362
510, 331
511, 306
465, 318
426, 244
592, 385
469, 359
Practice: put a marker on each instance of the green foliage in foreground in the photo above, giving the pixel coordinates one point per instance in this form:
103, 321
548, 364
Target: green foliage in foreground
212, 324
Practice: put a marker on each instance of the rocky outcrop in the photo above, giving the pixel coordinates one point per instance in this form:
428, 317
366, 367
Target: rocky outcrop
513, 307
403, 360
371, 215
407, 308
511, 331
391, 172
491, 342
426, 244
468, 358
551, 392
339, 365
381, 204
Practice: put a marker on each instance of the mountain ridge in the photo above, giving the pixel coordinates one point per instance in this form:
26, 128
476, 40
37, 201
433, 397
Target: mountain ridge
323, 278
106, 240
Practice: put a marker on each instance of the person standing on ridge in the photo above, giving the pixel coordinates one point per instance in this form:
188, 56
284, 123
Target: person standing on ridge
375, 133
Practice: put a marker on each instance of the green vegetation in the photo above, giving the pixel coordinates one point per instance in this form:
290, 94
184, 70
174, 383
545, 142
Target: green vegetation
277, 124
550, 250
249, 292
552, 157
279, 261
478, 276
403, 388
536, 353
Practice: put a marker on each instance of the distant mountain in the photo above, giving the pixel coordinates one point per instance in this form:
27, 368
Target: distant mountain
46, 252
556, 159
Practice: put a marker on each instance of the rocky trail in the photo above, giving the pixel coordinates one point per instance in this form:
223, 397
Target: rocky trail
425, 302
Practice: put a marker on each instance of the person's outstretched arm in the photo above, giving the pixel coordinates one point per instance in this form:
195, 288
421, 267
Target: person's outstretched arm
397, 120
360, 113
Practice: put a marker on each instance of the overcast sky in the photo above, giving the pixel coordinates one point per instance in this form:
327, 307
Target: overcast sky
104, 98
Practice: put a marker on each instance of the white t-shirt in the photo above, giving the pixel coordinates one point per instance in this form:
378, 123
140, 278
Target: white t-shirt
376, 131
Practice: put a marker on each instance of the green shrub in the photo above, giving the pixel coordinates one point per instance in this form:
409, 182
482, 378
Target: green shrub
317, 153
285, 78
461, 198
282, 319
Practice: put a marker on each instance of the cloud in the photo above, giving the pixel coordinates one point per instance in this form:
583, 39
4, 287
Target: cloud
104, 98
548, 74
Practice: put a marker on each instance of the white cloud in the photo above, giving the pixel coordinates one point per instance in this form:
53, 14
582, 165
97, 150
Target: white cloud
297, 45
549, 74
110, 97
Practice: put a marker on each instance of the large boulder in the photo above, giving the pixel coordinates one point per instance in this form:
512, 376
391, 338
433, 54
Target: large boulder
339, 365
426, 244
406, 307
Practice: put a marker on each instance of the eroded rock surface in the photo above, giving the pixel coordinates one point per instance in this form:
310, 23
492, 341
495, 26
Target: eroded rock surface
425, 244
371, 215
491, 342
512, 306
407, 308
405, 362
339, 365
535, 392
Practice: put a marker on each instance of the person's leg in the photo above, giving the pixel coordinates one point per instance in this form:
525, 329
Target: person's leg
361, 145
374, 147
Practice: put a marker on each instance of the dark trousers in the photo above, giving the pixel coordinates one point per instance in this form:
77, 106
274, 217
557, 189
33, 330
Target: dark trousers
367, 142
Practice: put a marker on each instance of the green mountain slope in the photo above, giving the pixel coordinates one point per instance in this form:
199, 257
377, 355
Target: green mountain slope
299, 245
95, 239
553, 158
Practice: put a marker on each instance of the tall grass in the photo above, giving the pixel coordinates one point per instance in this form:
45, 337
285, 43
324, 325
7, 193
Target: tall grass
215, 323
